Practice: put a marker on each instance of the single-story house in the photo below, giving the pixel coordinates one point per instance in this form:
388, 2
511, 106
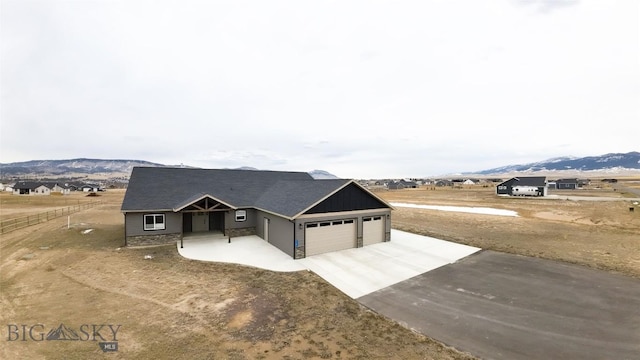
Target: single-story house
39, 188
297, 214
31, 188
6, 187
89, 188
564, 184
402, 184
443, 182
523, 186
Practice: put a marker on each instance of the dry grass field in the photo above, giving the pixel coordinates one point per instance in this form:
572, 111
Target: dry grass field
171, 307
599, 234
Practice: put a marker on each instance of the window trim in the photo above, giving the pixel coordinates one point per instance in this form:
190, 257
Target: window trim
241, 215
156, 225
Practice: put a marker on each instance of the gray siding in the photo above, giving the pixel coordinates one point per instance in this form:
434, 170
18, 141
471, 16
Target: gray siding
231, 223
134, 224
280, 231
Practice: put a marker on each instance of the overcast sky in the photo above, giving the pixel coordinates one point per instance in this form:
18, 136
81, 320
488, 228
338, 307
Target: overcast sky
362, 89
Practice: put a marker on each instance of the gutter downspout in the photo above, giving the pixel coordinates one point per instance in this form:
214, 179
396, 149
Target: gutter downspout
294, 238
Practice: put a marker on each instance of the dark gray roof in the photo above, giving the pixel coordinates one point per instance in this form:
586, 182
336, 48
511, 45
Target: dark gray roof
26, 185
527, 181
34, 184
284, 193
291, 197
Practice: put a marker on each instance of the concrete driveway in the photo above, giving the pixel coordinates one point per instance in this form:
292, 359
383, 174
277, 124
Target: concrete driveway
356, 272
503, 306
360, 271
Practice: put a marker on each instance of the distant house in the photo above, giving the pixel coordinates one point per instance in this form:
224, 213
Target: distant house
402, 184
90, 188
72, 186
470, 182
39, 188
31, 188
294, 212
567, 184
441, 183
583, 182
523, 186
6, 187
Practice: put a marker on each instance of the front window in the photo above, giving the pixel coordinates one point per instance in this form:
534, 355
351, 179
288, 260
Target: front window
241, 215
154, 222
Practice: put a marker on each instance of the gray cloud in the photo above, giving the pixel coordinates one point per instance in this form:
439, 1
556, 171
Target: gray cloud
546, 6
358, 89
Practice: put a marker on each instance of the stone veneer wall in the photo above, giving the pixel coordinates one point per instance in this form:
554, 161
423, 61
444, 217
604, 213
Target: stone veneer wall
299, 253
160, 239
241, 232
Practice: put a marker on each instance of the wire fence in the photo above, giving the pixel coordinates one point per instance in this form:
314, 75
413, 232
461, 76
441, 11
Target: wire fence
24, 221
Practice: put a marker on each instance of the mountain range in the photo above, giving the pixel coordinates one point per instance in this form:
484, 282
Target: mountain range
96, 168
614, 163
608, 163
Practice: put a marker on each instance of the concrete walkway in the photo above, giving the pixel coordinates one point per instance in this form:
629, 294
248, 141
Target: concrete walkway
244, 250
356, 272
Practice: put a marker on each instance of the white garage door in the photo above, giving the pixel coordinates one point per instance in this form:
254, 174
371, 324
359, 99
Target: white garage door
372, 230
327, 236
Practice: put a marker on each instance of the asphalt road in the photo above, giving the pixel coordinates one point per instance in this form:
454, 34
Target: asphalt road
503, 306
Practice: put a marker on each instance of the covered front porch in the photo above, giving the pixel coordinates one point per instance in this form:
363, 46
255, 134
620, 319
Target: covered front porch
203, 214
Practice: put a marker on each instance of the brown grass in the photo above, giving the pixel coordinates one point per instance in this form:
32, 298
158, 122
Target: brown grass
599, 234
171, 307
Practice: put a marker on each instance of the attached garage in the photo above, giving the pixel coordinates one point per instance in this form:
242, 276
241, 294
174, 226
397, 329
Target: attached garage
294, 212
331, 235
373, 230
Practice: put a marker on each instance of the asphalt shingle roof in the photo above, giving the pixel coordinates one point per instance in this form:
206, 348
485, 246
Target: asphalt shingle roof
290, 197
529, 181
285, 193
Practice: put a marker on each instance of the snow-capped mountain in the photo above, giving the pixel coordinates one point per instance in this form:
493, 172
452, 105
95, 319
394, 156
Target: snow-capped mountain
109, 168
75, 166
615, 162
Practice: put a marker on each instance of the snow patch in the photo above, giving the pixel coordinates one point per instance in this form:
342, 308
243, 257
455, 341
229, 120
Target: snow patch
473, 210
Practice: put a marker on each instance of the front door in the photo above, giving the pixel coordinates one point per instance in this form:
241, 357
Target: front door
216, 221
200, 222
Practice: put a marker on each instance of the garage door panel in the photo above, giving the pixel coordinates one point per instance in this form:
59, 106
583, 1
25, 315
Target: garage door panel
372, 230
327, 236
